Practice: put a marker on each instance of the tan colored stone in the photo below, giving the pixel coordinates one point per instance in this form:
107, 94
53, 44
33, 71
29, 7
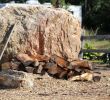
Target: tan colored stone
40, 30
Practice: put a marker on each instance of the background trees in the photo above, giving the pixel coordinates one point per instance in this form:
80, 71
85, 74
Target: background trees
97, 15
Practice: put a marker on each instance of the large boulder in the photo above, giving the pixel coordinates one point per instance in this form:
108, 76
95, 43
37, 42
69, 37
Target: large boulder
16, 79
40, 30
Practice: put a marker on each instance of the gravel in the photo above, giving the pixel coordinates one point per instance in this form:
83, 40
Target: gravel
48, 88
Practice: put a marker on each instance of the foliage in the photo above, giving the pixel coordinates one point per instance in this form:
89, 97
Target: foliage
60, 3
43, 1
106, 58
90, 55
73, 2
97, 15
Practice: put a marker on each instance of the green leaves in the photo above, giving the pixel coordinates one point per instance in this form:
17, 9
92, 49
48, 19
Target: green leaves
97, 15
90, 55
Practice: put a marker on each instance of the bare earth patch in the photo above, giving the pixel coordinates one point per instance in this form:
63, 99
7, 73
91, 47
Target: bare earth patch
47, 88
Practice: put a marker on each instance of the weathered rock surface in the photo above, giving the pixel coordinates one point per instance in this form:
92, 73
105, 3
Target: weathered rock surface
16, 79
40, 30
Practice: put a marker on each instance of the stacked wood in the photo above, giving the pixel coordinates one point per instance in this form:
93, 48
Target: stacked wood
55, 66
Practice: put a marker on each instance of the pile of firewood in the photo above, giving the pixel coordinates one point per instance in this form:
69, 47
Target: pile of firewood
54, 65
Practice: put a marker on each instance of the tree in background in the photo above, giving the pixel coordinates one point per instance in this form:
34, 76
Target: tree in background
55, 3
58, 3
43, 1
97, 15
5, 1
20, 1
73, 2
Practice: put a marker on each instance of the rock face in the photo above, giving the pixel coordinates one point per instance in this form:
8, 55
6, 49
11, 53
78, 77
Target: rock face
40, 30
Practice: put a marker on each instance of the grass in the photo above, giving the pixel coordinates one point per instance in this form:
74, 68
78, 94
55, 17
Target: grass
99, 44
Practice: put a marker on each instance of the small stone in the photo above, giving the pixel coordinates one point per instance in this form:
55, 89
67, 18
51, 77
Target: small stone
96, 78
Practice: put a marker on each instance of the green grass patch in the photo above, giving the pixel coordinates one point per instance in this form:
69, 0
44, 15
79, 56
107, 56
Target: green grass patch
99, 44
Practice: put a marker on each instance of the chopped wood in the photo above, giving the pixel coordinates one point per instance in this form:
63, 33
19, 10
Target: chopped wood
39, 57
29, 69
63, 75
55, 66
53, 69
39, 70
83, 77
60, 61
35, 63
23, 57
42, 63
82, 64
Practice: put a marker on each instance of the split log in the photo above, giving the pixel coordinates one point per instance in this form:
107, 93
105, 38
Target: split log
83, 77
55, 66
24, 57
53, 69
39, 70
56, 71
60, 61
35, 63
29, 69
84, 64
40, 58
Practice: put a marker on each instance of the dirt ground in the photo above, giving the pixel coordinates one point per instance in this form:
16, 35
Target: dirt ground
47, 88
